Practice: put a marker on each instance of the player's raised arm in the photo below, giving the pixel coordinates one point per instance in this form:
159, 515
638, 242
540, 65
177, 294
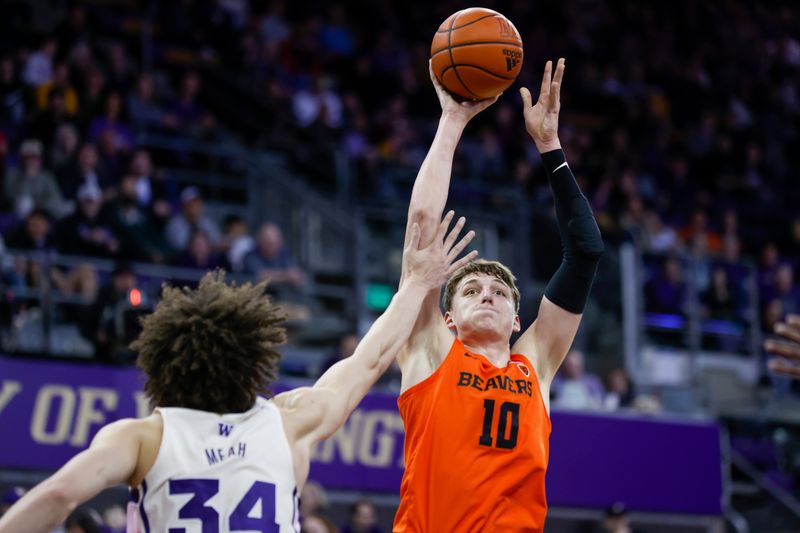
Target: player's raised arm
320, 410
551, 335
110, 460
429, 338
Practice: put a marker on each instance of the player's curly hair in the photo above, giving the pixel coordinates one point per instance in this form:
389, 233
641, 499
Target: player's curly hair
211, 348
481, 266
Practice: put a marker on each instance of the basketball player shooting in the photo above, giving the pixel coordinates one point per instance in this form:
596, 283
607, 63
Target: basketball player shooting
214, 452
475, 410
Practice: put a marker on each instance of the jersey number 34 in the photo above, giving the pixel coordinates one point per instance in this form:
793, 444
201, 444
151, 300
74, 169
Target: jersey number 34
240, 519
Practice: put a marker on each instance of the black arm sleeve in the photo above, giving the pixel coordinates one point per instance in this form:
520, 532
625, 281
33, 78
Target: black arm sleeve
581, 243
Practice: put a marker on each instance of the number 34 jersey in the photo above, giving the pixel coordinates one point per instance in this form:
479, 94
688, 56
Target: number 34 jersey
476, 448
219, 473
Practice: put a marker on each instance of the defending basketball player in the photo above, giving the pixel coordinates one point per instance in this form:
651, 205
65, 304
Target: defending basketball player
214, 451
475, 409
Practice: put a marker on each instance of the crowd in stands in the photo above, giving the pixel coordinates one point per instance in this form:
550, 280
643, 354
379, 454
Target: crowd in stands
684, 137
687, 150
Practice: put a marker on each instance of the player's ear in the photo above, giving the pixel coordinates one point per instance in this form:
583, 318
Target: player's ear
517, 325
448, 320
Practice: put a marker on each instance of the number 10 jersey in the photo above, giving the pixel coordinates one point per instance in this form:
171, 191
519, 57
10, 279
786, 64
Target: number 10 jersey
476, 448
220, 473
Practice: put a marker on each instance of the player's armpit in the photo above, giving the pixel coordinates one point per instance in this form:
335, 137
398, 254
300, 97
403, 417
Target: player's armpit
548, 339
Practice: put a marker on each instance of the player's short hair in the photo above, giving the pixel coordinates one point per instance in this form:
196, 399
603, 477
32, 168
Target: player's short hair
211, 348
481, 266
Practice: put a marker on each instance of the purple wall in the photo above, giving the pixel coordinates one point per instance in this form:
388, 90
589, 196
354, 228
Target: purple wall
51, 410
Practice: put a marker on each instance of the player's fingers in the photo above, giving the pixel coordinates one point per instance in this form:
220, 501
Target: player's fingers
784, 368
459, 247
453, 235
443, 225
793, 320
526, 97
544, 90
555, 98
788, 332
786, 349
559, 75
461, 262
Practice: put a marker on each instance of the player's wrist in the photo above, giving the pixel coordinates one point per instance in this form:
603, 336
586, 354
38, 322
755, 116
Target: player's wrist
548, 146
454, 117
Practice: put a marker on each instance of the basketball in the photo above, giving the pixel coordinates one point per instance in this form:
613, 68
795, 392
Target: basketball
476, 53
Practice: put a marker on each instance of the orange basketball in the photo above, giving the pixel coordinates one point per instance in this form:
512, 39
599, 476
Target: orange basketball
476, 53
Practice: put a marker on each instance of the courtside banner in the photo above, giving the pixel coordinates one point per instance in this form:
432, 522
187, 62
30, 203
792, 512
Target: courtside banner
50, 410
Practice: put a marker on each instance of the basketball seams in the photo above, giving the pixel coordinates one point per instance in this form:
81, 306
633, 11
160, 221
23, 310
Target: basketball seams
454, 65
467, 24
452, 61
448, 47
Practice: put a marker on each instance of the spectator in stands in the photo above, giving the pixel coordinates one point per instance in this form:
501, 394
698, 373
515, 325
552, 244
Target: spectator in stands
722, 299
12, 94
150, 187
39, 67
785, 289
139, 236
315, 523
192, 218
236, 242
33, 234
272, 259
93, 96
60, 81
64, 153
574, 388
363, 518
43, 124
658, 236
84, 172
620, 390
32, 186
770, 260
192, 118
87, 231
666, 292
102, 324
320, 105
313, 499
144, 110
121, 74
200, 253
698, 231
111, 121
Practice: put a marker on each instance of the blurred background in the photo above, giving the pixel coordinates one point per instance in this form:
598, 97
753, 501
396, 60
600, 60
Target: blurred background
144, 142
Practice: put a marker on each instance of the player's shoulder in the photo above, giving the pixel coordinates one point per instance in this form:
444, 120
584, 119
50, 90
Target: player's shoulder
132, 427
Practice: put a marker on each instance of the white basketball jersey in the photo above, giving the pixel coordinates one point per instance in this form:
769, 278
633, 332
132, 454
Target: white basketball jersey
220, 473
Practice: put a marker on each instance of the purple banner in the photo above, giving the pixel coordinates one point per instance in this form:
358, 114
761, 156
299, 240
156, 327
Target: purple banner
51, 411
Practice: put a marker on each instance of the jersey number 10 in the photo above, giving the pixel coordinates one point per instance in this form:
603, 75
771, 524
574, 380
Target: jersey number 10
506, 438
203, 490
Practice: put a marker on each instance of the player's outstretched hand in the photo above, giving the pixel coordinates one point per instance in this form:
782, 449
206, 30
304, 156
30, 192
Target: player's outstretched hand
788, 348
450, 106
433, 265
541, 119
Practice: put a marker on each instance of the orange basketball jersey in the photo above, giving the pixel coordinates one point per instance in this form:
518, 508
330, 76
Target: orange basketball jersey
476, 449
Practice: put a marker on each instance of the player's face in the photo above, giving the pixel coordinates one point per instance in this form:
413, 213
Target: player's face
483, 305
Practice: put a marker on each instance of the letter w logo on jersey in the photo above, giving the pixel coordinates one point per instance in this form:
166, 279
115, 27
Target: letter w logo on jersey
225, 430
